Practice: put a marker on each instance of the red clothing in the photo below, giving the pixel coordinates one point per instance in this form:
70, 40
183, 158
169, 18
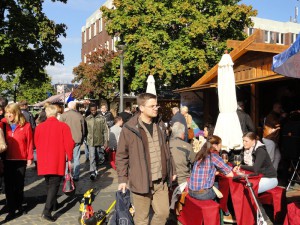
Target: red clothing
53, 141
19, 143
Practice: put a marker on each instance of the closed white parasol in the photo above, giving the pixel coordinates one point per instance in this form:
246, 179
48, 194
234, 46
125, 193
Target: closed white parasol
151, 85
228, 126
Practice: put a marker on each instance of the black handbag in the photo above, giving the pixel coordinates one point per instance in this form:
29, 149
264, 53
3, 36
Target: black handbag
69, 185
123, 209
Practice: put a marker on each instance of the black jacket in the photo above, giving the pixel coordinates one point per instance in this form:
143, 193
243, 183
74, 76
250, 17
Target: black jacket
261, 163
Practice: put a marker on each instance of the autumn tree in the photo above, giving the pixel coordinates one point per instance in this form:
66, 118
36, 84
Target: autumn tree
176, 41
97, 77
28, 39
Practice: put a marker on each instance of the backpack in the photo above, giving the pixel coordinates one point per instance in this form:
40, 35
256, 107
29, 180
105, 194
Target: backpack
123, 209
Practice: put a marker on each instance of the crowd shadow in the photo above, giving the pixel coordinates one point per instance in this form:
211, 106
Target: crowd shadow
35, 191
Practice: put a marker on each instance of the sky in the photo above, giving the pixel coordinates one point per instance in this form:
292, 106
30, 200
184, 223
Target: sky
75, 13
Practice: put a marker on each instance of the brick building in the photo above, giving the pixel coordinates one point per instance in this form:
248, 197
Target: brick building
94, 35
275, 32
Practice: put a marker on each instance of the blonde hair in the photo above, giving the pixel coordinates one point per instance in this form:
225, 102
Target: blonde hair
51, 110
184, 109
14, 109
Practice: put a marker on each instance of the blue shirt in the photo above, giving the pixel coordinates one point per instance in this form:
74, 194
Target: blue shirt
203, 174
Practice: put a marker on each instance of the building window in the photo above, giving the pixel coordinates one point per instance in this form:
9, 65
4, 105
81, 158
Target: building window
100, 25
267, 36
90, 33
95, 27
292, 38
107, 45
84, 58
282, 41
250, 31
272, 37
84, 37
277, 37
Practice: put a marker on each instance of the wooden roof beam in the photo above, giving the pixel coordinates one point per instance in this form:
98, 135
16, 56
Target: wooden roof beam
259, 47
235, 54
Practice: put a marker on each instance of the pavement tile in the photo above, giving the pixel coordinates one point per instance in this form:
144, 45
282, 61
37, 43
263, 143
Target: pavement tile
35, 196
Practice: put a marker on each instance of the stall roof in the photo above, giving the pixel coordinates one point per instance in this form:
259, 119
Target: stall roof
240, 49
54, 99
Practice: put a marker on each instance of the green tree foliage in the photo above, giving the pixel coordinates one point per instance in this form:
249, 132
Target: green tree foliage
177, 41
33, 90
28, 39
97, 77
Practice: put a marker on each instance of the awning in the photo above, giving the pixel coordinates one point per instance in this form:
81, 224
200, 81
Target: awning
60, 98
287, 63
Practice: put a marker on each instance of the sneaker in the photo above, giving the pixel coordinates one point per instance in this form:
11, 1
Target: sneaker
93, 176
229, 219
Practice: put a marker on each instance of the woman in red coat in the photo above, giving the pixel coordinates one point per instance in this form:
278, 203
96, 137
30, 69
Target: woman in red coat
54, 142
19, 154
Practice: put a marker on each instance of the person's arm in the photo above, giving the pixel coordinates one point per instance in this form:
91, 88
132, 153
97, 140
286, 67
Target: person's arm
68, 141
221, 165
189, 121
105, 133
249, 123
29, 140
122, 161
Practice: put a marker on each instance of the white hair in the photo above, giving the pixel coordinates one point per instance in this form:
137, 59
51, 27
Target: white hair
51, 110
72, 105
177, 130
184, 109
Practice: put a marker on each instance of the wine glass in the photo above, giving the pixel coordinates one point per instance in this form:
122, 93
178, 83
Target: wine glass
237, 161
225, 157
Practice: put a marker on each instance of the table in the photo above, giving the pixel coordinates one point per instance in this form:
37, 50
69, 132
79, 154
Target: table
242, 200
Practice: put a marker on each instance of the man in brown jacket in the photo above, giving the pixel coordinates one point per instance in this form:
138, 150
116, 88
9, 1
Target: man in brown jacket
144, 161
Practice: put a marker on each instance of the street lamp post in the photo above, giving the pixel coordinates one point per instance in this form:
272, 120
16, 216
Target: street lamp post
15, 93
122, 49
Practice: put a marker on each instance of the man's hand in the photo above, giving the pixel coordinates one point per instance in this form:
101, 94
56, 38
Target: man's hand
174, 177
29, 162
122, 186
70, 164
236, 168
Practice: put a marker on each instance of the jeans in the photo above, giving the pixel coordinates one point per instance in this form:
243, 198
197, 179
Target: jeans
86, 150
266, 184
273, 150
93, 152
76, 157
158, 198
208, 194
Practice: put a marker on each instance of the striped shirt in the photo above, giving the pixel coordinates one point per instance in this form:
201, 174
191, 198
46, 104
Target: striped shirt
203, 174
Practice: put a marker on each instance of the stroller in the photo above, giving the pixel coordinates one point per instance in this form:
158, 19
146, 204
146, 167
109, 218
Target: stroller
87, 214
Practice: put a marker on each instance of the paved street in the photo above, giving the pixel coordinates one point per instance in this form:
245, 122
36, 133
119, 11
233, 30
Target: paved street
68, 213
35, 196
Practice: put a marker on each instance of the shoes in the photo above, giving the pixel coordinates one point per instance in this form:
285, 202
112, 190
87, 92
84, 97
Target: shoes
75, 179
93, 176
229, 219
21, 211
48, 218
10, 216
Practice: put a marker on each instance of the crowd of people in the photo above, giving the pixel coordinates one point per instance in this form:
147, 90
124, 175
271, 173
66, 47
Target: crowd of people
150, 160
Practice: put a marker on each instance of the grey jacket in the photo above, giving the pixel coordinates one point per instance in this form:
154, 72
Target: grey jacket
183, 156
76, 123
97, 130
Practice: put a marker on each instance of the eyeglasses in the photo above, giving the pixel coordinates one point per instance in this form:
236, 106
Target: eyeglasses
152, 106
